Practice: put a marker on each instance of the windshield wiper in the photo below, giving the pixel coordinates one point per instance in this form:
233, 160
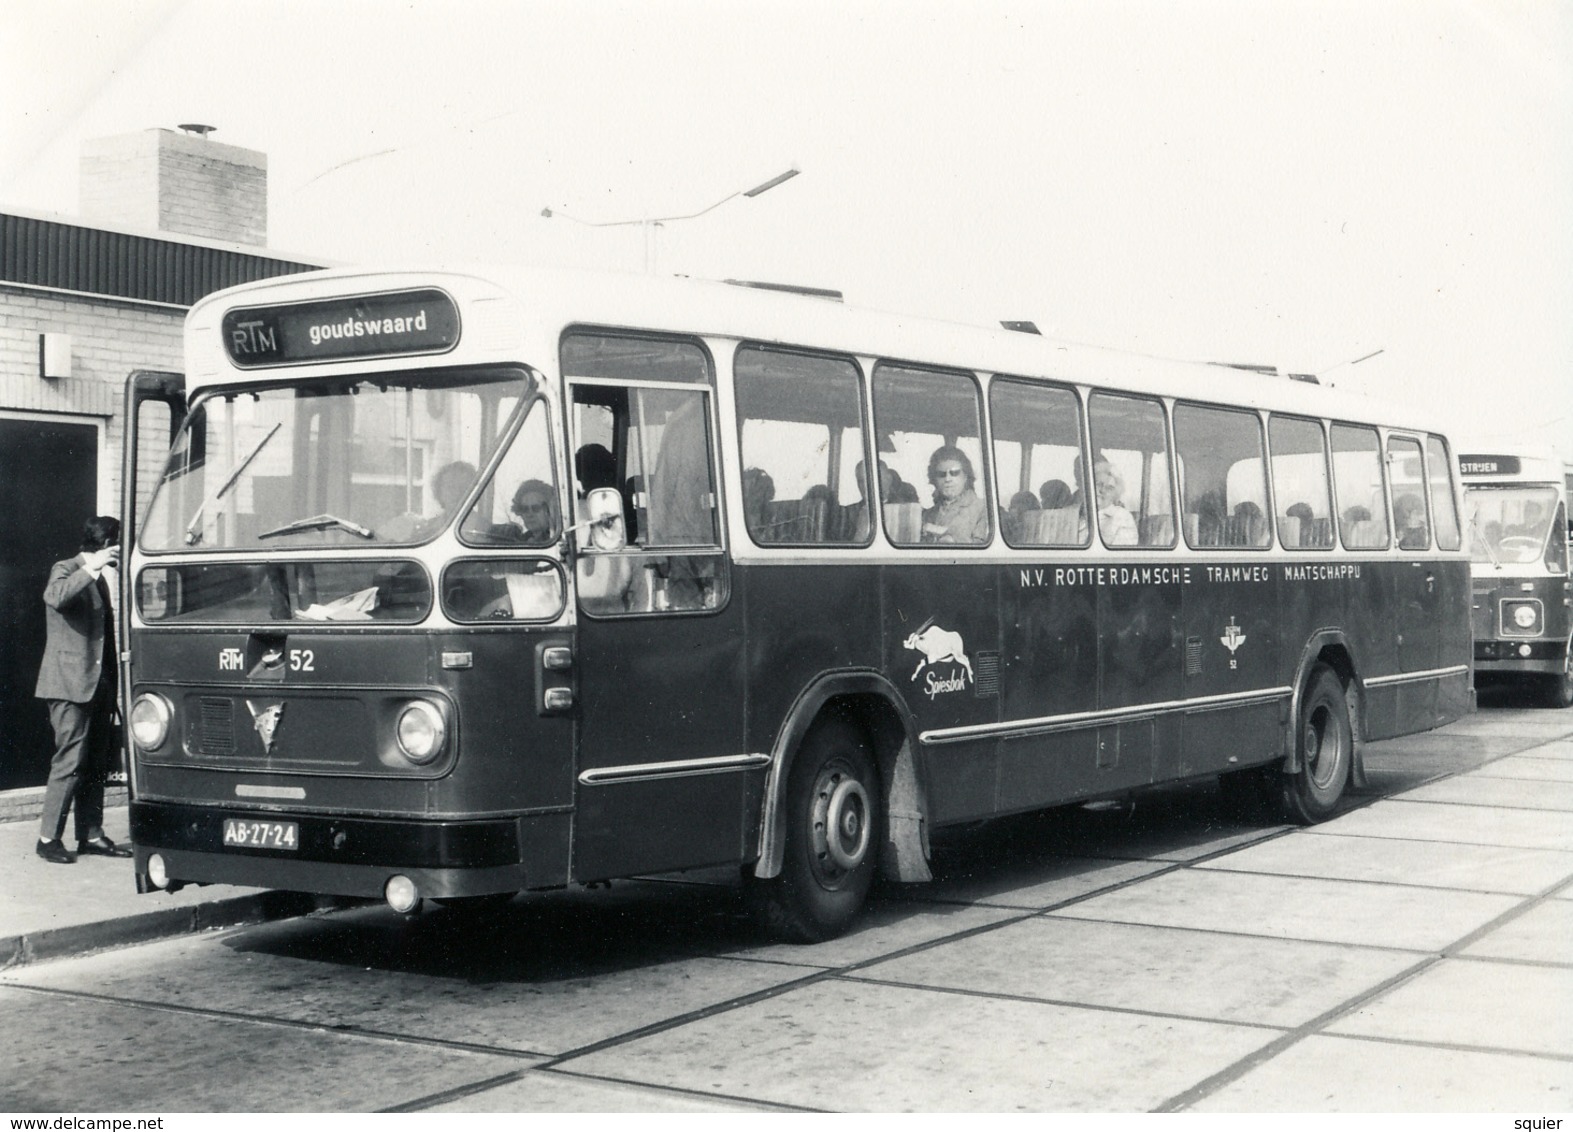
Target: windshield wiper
319, 523
194, 536
1474, 525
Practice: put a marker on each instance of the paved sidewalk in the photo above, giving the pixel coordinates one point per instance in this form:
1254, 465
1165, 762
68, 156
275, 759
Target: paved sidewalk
48, 911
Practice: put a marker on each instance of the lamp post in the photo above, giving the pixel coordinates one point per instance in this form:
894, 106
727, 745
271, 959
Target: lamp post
650, 224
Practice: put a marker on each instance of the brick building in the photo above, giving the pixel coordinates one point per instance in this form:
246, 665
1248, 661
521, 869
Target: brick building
167, 217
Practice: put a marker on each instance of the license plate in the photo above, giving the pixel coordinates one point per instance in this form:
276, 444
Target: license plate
262, 834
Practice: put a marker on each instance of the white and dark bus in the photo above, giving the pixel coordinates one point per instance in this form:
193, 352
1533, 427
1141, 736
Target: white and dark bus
1515, 504
456, 585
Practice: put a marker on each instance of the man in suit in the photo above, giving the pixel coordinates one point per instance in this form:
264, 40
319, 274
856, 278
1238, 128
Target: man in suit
78, 680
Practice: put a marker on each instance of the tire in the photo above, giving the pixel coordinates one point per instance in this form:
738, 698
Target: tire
832, 839
1559, 689
1325, 743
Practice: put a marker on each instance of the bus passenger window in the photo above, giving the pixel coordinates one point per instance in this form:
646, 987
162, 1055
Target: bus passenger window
1225, 482
1301, 483
929, 428
1409, 493
1444, 512
1131, 479
1357, 475
800, 427
1037, 451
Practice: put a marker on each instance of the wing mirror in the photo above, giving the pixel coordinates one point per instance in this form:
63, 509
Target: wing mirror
604, 506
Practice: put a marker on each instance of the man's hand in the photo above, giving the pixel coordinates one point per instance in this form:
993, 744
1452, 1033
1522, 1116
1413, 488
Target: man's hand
94, 561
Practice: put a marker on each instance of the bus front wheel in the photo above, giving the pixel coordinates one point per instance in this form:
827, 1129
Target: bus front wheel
832, 838
1326, 748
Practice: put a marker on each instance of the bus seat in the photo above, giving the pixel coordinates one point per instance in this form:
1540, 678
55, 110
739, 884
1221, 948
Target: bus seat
793, 521
1156, 530
904, 521
1365, 534
1321, 534
1290, 531
1057, 526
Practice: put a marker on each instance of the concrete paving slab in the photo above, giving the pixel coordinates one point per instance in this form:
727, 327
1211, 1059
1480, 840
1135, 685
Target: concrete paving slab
1159, 970
1550, 723
1478, 789
1481, 868
1032, 885
812, 1047
162, 1061
1330, 1074
1334, 911
1459, 1002
1544, 934
1441, 821
1531, 765
548, 1090
883, 928
319, 973
1559, 749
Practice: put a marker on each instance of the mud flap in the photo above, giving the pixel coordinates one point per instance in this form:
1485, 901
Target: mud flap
904, 857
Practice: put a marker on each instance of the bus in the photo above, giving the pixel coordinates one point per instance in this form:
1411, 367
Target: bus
1516, 511
458, 584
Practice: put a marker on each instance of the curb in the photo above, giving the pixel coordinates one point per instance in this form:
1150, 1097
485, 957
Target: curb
79, 939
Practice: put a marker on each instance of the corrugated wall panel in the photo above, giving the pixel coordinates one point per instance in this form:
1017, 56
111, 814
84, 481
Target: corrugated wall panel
46, 253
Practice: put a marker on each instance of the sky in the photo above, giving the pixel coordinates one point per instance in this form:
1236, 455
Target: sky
1275, 182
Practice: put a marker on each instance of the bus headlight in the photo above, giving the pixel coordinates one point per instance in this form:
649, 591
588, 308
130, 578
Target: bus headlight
1524, 616
149, 721
420, 731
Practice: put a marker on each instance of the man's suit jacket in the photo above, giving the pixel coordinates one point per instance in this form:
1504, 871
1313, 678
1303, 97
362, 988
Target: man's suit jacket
74, 648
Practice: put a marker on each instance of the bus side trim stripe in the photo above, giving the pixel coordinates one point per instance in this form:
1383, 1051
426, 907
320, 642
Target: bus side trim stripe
633, 772
1415, 677
1074, 720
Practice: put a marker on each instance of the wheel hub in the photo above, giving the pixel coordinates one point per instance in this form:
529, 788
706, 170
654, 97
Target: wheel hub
840, 823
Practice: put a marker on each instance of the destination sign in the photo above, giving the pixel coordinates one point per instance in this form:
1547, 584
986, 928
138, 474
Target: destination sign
365, 326
1472, 465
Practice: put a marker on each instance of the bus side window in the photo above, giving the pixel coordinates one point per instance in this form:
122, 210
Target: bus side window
1357, 474
1410, 521
1132, 496
1444, 511
930, 429
1225, 483
800, 428
1037, 453
1301, 484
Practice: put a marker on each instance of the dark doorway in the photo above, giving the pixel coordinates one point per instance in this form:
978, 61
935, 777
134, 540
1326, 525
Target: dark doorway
50, 470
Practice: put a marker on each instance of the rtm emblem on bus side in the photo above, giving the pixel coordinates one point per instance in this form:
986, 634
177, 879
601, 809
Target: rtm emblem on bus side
1232, 639
938, 646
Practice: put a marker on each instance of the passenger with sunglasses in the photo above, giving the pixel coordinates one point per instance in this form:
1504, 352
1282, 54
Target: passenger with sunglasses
535, 506
958, 515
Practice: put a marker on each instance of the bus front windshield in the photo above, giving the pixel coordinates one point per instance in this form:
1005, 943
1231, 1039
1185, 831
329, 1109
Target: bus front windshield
1510, 524
348, 461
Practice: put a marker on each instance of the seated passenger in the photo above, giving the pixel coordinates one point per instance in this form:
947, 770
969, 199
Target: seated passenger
1115, 523
1017, 519
1249, 530
758, 490
535, 505
958, 515
1054, 494
1409, 513
1307, 520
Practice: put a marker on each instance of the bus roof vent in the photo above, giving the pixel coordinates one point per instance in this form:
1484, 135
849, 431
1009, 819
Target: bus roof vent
1023, 326
1268, 371
789, 288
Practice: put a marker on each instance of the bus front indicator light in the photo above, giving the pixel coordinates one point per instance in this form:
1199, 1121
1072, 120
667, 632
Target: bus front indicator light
149, 720
420, 732
401, 894
157, 871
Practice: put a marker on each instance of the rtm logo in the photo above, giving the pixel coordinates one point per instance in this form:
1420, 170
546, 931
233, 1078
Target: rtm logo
231, 660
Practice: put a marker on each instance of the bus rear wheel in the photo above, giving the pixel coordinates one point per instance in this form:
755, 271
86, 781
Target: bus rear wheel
1325, 743
832, 842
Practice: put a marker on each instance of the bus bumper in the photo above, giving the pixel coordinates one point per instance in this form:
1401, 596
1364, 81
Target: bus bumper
336, 856
1514, 658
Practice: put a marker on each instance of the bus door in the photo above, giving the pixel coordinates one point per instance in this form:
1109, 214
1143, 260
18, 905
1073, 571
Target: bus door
1419, 586
661, 765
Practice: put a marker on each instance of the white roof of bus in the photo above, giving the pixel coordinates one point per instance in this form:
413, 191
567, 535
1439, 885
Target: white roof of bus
678, 305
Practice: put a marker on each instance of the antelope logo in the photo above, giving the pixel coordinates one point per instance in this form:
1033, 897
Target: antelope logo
266, 722
938, 646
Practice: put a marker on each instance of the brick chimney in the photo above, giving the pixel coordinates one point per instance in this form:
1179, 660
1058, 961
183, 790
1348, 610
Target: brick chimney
177, 182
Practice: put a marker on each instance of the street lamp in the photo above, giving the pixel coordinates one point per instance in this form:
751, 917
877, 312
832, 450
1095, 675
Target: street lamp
651, 223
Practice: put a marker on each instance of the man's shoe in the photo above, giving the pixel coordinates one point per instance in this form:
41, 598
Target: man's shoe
101, 847
55, 852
